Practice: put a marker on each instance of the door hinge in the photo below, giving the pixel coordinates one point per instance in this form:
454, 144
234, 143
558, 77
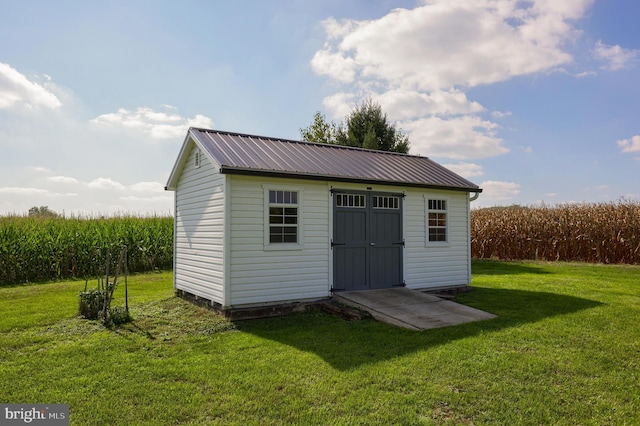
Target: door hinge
399, 243
337, 244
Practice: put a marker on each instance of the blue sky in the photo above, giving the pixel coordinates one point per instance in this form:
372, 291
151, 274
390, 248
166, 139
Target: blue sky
535, 101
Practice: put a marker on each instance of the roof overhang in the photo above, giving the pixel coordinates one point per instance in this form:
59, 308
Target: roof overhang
306, 176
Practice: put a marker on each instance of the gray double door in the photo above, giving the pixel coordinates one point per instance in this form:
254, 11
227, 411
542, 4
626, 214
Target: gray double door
367, 240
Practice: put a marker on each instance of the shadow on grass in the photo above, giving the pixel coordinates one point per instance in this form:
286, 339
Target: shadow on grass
346, 345
502, 267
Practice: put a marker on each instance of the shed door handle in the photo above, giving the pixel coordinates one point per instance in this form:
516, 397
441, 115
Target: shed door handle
372, 244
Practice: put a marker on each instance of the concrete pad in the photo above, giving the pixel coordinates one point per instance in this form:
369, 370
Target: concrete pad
411, 309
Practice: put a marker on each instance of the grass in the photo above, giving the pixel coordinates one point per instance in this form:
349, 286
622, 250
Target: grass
565, 349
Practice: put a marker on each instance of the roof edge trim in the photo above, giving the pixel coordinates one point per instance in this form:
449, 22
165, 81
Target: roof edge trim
304, 176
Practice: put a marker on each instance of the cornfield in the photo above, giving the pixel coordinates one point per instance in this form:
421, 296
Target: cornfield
38, 249
596, 233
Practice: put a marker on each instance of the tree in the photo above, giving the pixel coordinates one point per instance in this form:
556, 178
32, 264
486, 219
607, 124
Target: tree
42, 211
365, 127
320, 130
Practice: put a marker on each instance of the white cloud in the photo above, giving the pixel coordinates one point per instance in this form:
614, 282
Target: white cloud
29, 191
461, 138
16, 90
500, 114
584, 74
147, 187
333, 64
418, 63
340, 104
630, 145
616, 57
106, 183
103, 195
403, 104
445, 44
527, 149
466, 170
63, 179
154, 199
13, 190
158, 125
39, 169
499, 191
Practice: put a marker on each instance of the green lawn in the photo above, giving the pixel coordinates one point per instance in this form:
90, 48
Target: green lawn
565, 349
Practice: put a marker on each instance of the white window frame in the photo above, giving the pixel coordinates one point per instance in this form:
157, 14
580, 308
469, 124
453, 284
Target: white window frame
350, 201
268, 245
392, 202
447, 226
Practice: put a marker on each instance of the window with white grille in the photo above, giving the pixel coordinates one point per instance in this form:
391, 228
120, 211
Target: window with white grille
350, 200
436, 220
283, 216
385, 202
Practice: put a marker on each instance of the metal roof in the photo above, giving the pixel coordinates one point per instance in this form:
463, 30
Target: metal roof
258, 155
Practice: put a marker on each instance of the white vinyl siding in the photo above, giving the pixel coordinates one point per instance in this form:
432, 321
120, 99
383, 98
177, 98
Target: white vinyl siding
222, 249
199, 229
263, 273
436, 264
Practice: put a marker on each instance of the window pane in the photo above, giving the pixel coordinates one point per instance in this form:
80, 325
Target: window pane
293, 220
294, 197
291, 211
437, 205
275, 220
437, 234
283, 234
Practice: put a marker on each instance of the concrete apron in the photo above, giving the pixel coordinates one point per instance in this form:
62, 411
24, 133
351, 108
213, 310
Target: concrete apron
411, 309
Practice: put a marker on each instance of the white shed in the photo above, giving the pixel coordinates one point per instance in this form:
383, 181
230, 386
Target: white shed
263, 221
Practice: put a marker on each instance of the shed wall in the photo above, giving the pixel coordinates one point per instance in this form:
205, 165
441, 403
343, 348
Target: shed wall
199, 230
263, 273
433, 265
428, 265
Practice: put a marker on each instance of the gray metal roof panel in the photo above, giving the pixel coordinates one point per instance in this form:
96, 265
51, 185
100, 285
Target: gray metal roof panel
249, 154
